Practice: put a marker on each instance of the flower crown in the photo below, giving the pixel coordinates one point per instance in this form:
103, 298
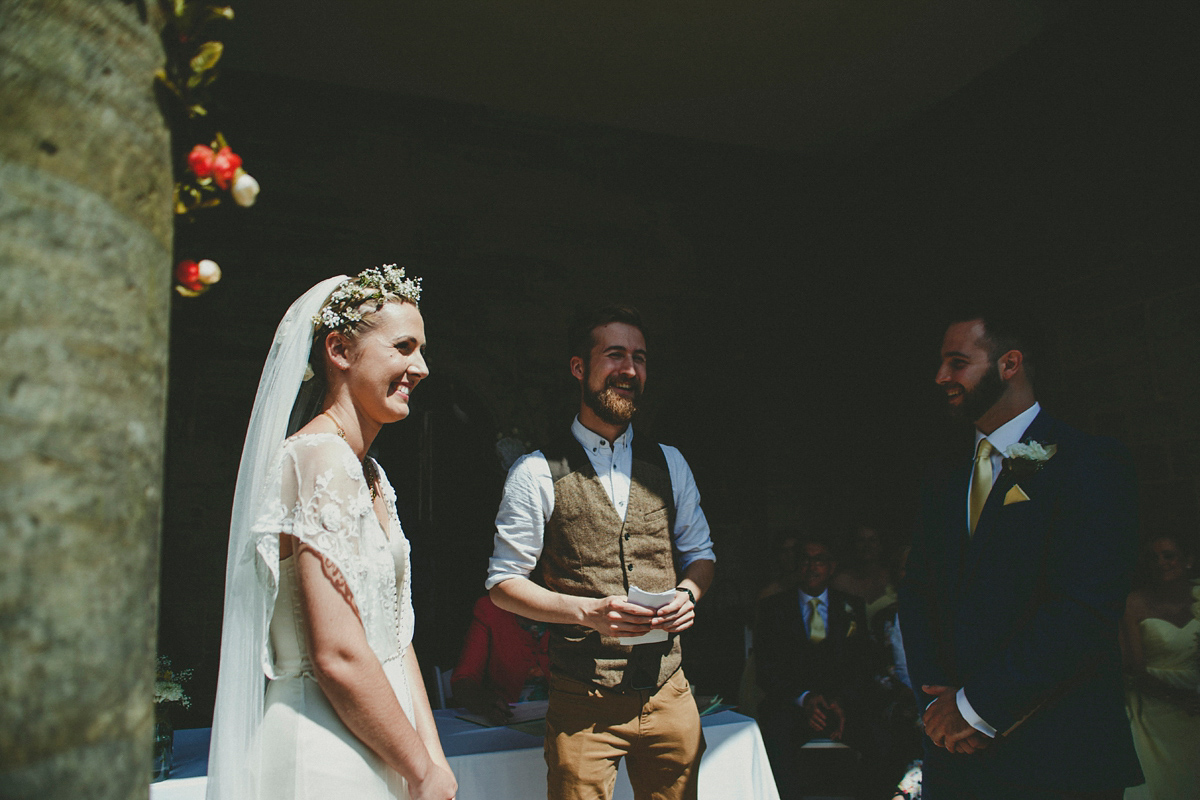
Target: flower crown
343, 308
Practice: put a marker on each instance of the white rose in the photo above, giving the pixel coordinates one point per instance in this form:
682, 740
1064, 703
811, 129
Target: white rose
209, 273
1034, 451
244, 189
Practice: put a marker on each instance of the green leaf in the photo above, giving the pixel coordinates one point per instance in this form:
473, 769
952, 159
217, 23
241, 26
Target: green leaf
207, 56
197, 110
220, 12
161, 77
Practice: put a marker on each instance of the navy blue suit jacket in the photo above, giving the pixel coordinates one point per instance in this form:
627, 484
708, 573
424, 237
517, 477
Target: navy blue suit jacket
788, 664
1024, 615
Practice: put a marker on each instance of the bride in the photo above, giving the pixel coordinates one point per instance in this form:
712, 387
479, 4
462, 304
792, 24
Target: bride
319, 693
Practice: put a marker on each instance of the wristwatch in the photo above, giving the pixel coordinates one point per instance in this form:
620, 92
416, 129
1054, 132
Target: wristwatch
689, 593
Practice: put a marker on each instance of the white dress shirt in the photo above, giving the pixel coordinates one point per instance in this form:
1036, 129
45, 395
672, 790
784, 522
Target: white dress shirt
528, 503
1001, 439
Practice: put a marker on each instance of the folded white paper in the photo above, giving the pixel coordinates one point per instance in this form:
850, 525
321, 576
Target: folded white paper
640, 597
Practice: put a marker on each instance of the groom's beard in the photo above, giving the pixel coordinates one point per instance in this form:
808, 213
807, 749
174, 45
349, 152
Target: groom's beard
978, 401
610, 406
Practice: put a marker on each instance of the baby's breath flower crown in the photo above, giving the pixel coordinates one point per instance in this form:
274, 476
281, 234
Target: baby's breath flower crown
343, 310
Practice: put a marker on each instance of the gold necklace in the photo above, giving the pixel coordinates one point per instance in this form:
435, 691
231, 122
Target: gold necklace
368, 466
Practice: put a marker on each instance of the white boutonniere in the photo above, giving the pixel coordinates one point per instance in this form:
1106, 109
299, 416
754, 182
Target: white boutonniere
1024, 459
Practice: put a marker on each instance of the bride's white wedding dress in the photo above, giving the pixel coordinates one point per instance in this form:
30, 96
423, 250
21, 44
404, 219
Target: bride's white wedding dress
317, 493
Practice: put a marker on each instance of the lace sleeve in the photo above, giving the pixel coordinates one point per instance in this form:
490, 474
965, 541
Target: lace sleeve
318, 495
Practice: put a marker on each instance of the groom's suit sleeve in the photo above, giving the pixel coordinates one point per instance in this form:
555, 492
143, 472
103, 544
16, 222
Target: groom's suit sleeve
1089, 550
924, 576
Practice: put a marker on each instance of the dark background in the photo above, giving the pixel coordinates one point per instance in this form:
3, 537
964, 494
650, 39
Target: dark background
793, 255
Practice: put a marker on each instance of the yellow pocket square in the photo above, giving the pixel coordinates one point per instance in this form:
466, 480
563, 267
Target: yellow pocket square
1015, 495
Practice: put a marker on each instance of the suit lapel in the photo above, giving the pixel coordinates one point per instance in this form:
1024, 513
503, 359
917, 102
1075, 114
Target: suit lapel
835, 631
958, 532
797, 619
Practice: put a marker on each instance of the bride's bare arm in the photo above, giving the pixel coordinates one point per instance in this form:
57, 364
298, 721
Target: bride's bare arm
351, 676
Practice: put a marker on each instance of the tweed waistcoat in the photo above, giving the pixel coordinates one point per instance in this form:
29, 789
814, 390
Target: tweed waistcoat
589, 552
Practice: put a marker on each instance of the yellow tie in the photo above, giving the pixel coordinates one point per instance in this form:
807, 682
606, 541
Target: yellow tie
981, 480
816, 625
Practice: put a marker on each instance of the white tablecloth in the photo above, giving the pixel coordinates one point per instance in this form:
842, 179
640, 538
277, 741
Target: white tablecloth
504, 764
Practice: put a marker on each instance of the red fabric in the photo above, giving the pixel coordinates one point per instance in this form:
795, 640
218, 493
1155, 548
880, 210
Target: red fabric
498, 653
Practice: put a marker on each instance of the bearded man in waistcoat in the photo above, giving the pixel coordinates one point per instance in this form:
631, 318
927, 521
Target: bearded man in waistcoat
596, 515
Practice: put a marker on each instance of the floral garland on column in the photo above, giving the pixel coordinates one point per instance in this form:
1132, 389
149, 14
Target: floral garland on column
209, 172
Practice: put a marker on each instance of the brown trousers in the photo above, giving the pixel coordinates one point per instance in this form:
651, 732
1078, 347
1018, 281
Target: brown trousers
589, 730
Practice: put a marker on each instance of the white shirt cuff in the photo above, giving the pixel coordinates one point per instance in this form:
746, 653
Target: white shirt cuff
976, 721
800, 699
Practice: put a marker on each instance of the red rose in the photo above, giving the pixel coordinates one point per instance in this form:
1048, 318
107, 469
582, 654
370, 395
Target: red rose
188, 275
225, 165
201, 160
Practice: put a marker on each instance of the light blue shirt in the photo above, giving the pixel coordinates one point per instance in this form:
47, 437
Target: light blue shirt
822, 608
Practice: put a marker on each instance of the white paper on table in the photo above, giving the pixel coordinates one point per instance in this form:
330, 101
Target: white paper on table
641, 597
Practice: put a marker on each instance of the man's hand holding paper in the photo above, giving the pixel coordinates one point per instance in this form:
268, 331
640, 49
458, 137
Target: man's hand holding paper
659, 607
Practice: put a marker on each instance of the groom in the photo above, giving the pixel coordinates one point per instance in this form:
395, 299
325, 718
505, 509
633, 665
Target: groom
1016, 581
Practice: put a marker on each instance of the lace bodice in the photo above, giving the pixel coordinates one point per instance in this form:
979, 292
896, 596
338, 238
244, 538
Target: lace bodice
317, 494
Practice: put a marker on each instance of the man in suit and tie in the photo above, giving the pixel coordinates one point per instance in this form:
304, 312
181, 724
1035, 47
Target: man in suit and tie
815, 663
1015, 584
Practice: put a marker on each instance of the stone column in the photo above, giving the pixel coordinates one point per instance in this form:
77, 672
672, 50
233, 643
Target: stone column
85, 273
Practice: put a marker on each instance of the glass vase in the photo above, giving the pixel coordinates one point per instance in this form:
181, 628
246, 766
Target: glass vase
164, 744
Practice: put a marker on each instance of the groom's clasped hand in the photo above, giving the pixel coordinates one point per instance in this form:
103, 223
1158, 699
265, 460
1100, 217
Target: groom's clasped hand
944, 724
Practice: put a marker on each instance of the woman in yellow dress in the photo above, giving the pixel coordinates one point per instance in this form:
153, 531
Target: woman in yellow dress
1160, 639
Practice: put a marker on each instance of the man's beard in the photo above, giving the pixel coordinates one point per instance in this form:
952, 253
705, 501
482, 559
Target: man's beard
978, 401
610, 406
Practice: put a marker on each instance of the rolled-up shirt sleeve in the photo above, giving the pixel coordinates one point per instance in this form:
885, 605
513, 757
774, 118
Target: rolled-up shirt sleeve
693, 540
527, 503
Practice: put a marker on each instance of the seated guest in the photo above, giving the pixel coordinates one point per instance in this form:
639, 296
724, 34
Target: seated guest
504, 660
901, 722
886, 628
816, 666
783, 566
868, 574
1160, 643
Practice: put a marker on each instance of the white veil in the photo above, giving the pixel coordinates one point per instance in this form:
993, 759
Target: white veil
233, 754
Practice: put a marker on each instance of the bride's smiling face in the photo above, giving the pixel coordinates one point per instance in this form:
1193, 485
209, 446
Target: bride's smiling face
387, 362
